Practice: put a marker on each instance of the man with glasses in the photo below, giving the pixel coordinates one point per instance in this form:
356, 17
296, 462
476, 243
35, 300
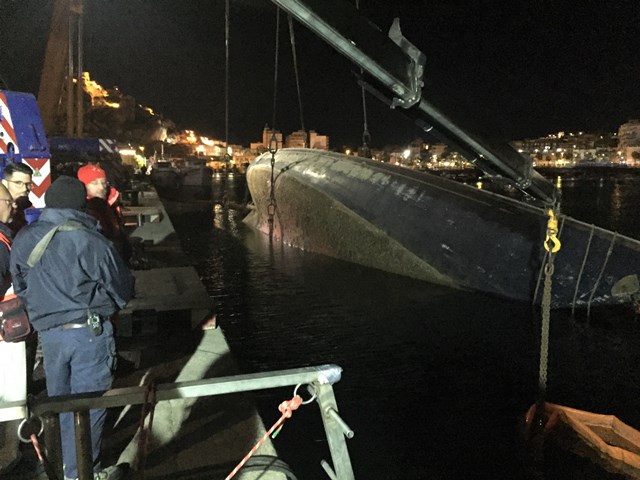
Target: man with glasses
13, 375
16, 177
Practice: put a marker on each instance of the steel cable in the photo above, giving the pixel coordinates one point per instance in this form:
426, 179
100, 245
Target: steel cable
366, 136
604, 265
292, 38
584, 262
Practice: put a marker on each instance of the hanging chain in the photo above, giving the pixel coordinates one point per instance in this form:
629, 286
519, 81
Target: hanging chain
552, 246
292, 37
271, 207
546, 322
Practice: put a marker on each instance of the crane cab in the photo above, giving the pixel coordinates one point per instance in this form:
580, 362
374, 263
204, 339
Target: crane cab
22, 139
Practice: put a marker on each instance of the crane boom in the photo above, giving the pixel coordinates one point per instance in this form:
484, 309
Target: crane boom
54, 68
58, 69
396, 66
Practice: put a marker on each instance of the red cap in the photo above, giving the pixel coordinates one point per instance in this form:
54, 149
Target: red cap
89, 173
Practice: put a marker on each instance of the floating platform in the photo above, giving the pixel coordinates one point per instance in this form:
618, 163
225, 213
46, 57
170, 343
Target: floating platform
166, 290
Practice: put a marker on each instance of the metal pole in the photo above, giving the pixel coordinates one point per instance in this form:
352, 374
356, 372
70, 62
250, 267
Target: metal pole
79, 89
334, 431
70, 121
328, 470
84, 454
346, 429
120, 397
321, 377
51, 429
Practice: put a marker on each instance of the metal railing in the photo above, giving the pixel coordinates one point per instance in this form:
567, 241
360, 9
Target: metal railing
319, 381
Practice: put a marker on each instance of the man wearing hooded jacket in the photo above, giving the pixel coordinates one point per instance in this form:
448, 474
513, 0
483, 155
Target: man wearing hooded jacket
80, 275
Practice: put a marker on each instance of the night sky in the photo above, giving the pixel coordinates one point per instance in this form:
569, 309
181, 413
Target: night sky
504, 69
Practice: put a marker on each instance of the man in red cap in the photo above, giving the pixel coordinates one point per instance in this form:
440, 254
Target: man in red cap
102, 205
95, 181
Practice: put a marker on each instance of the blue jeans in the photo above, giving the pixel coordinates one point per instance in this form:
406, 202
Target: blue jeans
76, 361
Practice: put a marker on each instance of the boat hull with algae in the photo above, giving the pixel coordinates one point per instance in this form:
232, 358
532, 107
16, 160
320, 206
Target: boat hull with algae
435, 229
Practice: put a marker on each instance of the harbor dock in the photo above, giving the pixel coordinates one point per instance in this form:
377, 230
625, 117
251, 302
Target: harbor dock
161, 341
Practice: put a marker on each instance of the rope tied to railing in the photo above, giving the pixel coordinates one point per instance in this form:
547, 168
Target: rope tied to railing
31, 436
48, 468
286, 408
144, 439
36, 447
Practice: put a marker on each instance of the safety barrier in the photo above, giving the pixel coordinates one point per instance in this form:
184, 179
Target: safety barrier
319, 381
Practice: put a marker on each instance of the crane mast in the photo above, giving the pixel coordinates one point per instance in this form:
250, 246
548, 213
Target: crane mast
60, 91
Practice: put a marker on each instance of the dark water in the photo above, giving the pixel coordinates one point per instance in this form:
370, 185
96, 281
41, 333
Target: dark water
436, 382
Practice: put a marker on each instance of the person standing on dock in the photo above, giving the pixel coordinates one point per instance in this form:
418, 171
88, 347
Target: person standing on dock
13, 374
102, 203
16, 177
72, 291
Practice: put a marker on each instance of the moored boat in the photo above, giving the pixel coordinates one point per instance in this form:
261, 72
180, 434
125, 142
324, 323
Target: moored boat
184, 179
604, 439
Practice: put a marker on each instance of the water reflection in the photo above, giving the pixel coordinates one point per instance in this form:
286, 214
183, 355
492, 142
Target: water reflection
606, 201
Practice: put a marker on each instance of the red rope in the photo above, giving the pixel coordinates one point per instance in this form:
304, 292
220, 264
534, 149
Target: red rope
287, 407
36, 447
144, 440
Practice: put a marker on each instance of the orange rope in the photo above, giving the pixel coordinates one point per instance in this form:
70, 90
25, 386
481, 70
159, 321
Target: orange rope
144, 440
36, 447
287, 407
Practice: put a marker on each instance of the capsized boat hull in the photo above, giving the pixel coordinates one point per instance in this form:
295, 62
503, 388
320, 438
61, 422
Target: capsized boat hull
433, 229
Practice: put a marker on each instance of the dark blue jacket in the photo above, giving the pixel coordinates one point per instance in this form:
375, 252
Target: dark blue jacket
80, 271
